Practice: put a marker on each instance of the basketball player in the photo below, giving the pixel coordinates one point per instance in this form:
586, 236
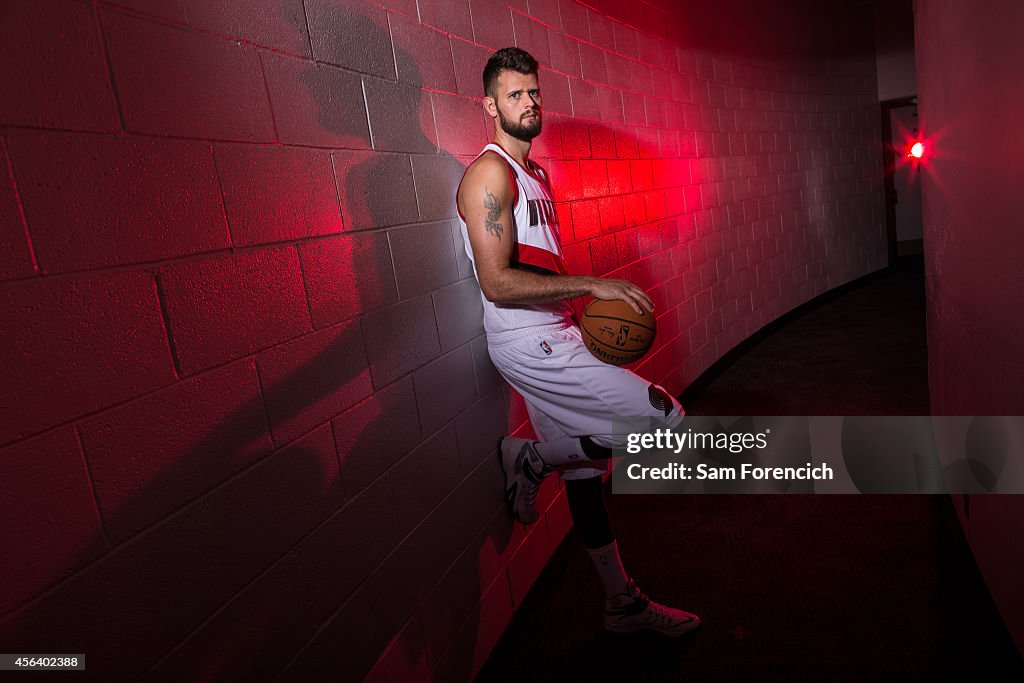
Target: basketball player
511, 233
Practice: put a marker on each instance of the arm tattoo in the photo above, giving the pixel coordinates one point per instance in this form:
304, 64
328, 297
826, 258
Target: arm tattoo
493, 213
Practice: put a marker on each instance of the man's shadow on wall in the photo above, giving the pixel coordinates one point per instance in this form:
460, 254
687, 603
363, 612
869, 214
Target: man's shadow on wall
194, 600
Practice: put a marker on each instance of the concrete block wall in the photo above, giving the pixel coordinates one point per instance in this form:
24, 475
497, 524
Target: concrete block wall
248, 424
973, 267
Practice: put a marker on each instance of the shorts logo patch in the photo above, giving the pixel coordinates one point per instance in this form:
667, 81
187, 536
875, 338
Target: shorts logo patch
545, 348
659, 399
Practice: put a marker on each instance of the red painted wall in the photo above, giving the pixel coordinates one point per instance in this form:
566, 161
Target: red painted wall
248, 418
969, 60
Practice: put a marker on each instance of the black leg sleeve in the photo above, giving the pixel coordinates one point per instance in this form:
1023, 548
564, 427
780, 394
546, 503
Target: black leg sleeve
589, 514
593, 450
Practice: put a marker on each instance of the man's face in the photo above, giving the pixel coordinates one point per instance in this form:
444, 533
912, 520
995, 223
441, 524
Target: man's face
518, 104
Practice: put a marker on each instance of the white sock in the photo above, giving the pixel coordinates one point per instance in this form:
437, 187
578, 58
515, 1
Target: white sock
609, 568
566, 450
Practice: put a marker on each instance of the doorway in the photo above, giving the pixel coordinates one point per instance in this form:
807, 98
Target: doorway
904, 224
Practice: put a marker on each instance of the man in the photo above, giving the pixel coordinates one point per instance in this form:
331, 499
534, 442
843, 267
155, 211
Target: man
511, 234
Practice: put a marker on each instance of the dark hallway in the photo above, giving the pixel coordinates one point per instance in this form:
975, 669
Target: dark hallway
856, 350
790, 588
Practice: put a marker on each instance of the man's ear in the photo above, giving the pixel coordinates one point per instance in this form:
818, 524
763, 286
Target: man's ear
490, 107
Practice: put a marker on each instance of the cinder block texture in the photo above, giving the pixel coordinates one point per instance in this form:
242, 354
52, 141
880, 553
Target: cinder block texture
316, 104
445, 388
94, 201
459, 129
208, 87
274, 194
468, 57
401, 118
447, 616
259, 514
235, 641
376, 189
374, 434
352, 34
194, 434
175, 570
227, 307
396, 665
346, 643
492, 23
424, 258
423, 486
49, 514
450, 16
79, 345
435, 176
277, 24
422, 55
400, 338
367, 522
246, 386
308, 381
16, 258
54, 69
164, 9
459, 312
347, 275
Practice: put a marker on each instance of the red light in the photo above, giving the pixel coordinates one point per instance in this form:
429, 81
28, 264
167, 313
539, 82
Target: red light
917, 151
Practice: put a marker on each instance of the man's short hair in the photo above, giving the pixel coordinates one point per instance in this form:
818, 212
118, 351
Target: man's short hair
507, 59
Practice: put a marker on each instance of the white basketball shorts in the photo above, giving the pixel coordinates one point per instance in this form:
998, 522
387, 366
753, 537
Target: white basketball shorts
569, 392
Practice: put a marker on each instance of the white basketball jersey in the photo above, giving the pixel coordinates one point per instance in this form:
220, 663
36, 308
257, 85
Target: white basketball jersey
537, 248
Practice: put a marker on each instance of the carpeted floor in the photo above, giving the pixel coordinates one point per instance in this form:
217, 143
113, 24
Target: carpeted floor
790, 588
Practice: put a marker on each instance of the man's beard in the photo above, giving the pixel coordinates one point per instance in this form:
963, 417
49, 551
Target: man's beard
521, 130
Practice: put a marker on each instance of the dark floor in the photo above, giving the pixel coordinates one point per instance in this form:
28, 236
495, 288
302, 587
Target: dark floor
859, 351
789, 587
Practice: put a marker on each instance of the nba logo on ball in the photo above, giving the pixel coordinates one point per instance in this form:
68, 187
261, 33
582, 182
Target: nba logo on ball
615, 333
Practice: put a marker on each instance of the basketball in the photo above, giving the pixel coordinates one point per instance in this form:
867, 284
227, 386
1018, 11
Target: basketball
615, 333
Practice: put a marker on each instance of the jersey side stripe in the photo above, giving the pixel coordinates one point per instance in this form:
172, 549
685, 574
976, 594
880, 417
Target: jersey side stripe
539, 258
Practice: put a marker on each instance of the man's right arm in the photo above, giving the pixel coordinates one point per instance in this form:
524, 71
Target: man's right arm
485, 199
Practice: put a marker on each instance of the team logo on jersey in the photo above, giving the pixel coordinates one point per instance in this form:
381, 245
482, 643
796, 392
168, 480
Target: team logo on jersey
542, 212
546, 348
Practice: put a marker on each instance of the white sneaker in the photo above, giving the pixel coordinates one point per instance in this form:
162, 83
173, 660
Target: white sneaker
524, 471
634, 611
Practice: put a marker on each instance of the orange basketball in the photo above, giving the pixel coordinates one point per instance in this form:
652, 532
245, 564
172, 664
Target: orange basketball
615, 333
